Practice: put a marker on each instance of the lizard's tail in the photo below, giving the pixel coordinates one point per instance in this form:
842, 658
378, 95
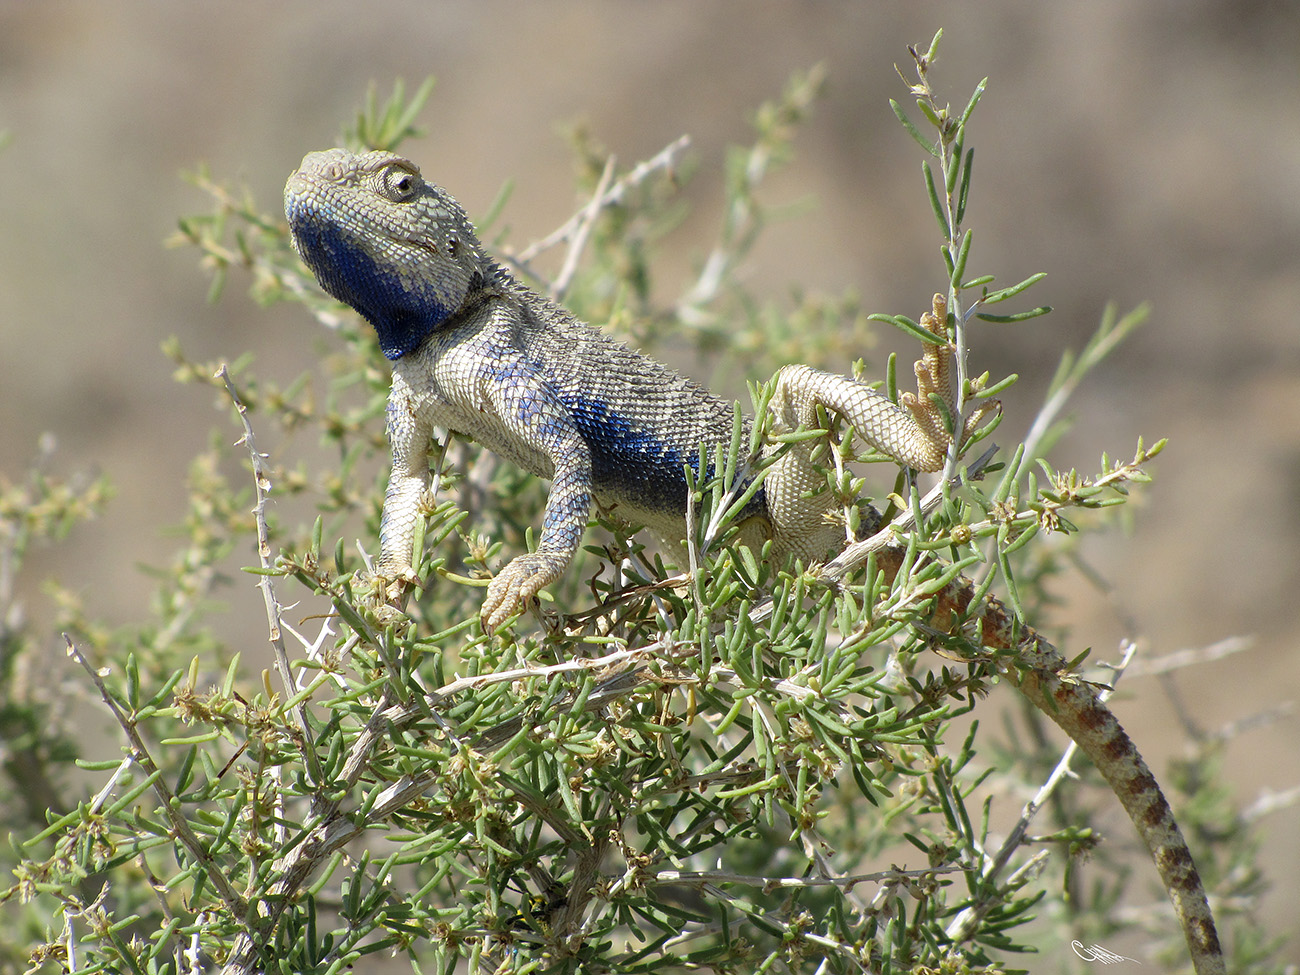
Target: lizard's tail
1041, 676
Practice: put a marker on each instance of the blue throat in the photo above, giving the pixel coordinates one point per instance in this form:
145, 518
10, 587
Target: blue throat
402, 315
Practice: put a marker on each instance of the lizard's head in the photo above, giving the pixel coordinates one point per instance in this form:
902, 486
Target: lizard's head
378, 237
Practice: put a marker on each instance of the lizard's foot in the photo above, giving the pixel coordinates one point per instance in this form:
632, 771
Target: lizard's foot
516, 584
393, 583
934, 382
387, 590
933, 379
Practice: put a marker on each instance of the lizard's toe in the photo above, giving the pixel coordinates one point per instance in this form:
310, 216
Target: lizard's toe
501, 603
516, 584
393, 583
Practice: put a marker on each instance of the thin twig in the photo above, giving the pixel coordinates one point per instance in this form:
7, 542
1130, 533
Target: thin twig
170, 806
1270, 802
578, 241
1252, 722
262, 485
1180, 659
769, 884
666, 159
331, 828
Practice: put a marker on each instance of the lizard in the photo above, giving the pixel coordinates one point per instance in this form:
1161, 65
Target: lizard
477, 352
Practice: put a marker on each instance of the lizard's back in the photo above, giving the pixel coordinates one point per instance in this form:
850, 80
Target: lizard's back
642, 422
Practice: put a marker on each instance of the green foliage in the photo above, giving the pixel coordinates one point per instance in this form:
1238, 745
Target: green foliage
661, 770
389, 125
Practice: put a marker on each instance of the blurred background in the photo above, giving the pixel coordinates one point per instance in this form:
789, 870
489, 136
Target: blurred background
1134, 152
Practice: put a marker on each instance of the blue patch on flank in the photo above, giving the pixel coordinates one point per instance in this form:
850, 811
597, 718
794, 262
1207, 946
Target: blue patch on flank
633, 461
403, 317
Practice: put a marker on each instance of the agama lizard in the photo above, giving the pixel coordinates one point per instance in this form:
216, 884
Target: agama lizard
477, 352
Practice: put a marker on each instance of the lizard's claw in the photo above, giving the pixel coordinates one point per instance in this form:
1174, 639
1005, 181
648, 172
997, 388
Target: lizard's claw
394, 583
516, 584
387, 592
934, 379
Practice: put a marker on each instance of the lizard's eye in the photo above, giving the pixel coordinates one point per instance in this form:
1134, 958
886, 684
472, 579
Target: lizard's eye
398, 183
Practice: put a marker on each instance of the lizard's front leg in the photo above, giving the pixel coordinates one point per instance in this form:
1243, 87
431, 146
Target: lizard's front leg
538, 418
409, 437
525, 409
567, 509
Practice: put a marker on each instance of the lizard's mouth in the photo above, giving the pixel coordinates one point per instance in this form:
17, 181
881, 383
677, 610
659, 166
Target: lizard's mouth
419, 243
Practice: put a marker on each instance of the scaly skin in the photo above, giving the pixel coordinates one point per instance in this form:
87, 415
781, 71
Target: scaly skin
476, 352
1043, 676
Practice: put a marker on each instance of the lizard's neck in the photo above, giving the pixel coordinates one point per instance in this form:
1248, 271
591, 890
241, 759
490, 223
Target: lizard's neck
400, 335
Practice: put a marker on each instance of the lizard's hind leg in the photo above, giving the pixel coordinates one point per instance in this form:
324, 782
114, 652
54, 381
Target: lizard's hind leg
916, 434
